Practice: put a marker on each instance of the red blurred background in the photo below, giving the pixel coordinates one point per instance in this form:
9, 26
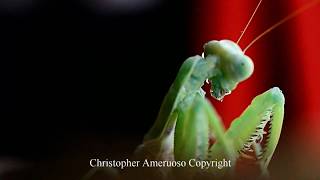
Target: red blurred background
287, 57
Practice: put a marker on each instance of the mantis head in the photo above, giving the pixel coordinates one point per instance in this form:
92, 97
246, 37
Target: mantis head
233, 66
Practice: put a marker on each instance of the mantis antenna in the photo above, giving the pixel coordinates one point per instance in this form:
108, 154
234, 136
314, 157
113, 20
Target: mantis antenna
245, 29
290, 16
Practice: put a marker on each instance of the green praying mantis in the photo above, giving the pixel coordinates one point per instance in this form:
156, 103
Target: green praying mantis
187, 122
188, 126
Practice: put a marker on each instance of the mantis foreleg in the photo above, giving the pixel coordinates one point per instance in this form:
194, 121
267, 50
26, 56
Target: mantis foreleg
260, 122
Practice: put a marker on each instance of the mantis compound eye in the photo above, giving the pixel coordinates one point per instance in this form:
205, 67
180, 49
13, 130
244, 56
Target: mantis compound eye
232, 66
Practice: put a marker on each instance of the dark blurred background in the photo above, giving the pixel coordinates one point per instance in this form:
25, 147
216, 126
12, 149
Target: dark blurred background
69, 66
85, 79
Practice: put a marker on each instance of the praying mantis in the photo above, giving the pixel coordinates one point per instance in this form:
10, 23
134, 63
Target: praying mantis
187, 124
186, 120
